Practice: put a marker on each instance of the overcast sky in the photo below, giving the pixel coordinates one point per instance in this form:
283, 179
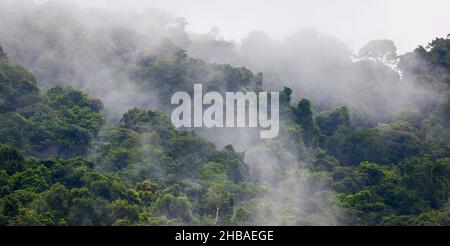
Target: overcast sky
407, 22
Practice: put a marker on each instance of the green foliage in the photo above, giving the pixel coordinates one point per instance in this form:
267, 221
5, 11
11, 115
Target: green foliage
306, 121
430, 63
170, 69
62, 122
63, 163
11, 160
351, 146
55, 192
364, 200
330, 122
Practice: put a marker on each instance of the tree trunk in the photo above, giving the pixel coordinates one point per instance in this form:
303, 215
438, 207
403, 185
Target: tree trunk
217, 216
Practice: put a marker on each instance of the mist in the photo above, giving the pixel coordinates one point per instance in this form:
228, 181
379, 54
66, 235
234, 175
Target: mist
99, 45
96, 47
311, 48
408, 23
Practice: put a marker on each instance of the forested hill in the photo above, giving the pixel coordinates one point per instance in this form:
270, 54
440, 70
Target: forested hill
149, 173
64, 163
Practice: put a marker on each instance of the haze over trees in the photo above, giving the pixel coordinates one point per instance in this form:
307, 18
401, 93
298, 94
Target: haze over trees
85, 138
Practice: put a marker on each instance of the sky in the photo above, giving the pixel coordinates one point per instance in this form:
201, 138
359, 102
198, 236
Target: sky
406, 22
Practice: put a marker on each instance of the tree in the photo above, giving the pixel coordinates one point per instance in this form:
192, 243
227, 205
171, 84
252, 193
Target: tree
10, 159
123, 210
383, 51
285, 96
218, 197
306, 121
439, 52
364, 200
352, 146
430, 180
330, 122
173, 206
2, 54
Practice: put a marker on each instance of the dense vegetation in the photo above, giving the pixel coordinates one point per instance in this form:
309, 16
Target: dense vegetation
64, 162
